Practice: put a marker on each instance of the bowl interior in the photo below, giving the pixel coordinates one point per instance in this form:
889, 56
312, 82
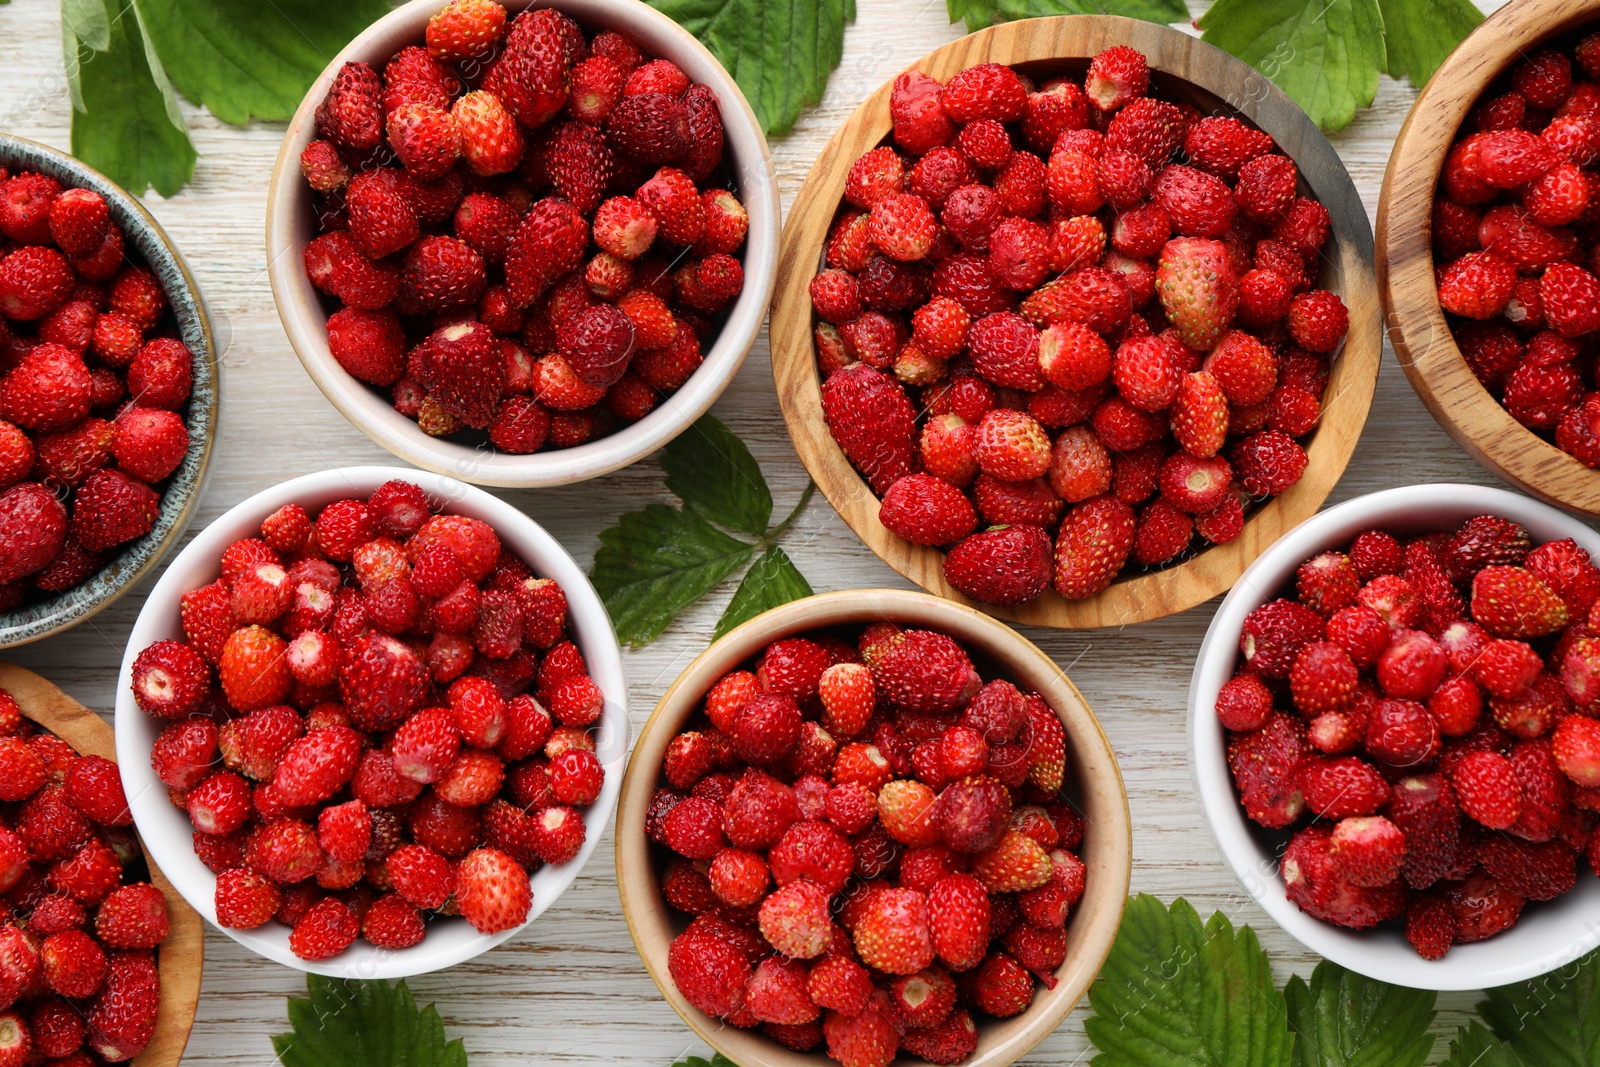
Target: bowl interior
1094, 787
1183, 69
167, 830
290, 226
181, 955
148, 244
1422, 338
1548, 934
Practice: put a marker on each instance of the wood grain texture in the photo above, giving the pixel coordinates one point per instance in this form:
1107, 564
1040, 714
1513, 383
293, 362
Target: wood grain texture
1000, 652
181, 957
571, 991
1187, 70
1417, 328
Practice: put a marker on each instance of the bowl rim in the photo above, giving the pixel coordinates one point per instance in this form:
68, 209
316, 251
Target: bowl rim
158, 820
43, 702
1422, 339
1175, 55
1384, 954
304, 321
1091, 758
146, 237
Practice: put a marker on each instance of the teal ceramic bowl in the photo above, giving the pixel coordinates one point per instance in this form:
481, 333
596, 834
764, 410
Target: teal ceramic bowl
147, 243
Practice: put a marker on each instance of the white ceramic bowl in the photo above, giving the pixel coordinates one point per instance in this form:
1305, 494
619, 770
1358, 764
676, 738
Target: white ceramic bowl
167, 831
1549, 935
289, 229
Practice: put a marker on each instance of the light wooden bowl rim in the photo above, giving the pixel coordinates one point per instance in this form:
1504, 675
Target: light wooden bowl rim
288, 229
1108, 839
181, 957
1182, 58
1417, 328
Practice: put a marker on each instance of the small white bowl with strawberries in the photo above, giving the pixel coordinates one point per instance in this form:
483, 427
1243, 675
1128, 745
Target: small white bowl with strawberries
1394, 736
502, 235
372, 722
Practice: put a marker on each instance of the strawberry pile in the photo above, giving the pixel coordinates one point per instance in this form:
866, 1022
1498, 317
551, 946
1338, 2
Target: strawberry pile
875, 846
78, 978
1032, 317
1424, 711
1514, 243
350, 727
525, 231
93, 386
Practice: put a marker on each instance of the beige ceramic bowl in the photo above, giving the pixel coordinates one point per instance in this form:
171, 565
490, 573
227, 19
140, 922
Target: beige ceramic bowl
1094, 784
289, 229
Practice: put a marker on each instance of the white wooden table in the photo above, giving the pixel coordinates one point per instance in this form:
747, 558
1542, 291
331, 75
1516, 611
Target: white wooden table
571, 989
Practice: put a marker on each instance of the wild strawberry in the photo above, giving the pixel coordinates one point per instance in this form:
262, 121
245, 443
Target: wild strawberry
1008, 565
133, 916
393, 923
1198, 290
869, 414
492, 891
349, 115
1265, 767
1199, 204
1314, 884
1487, 789
1576, 748
465, 29
122, 1020
169, 679
328, 928
1093, 543
1222, 145
1117, 76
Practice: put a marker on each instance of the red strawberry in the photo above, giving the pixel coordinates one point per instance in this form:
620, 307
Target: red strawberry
465, 29
1266, 766
1512, 602
549, 242
1095, 539
123, 1018
1117, 76
869, 414
1313, 883
1009, 565
349, 115
1198, 289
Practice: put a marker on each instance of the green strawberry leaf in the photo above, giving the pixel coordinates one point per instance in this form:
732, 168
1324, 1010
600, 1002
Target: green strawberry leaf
1553, 1021
128, 125
1179, 994
770, 581
717, 1060
656, 562
779, 51
364, 1024
1342, 1019
83, 23
1418, 34
713, 472
1475, 1046
1325, 54
980, 13
244, 59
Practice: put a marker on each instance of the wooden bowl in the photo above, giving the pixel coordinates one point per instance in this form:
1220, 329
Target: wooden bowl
1094, 784
128, 564
181, 956
304, 312
1183, 69
1417, 327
